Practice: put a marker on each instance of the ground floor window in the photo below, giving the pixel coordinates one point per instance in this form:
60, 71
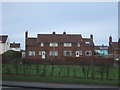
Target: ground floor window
80, 52
88, 53
67, 53
53, 53
31, 53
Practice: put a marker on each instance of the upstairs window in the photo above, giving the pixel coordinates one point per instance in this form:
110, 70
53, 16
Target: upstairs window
67, 44
88, 53
31, 53
78, 44
42, 44
67, 53
53, 53
54, 44
87, 42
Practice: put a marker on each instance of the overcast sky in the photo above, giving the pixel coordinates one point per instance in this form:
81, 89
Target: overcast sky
85, 18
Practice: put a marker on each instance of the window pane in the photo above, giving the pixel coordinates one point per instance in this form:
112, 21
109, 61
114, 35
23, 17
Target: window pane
54, 44
40, 53
67, 44
53, 53
31, 53
87, 42
78, 44
42, 44
88, 53
67, 53
80, 52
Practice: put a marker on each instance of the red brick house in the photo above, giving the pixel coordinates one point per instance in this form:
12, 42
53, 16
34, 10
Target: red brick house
114, 48
46, 46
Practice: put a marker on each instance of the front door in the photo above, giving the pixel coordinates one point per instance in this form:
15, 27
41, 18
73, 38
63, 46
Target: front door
77, 54
43, 54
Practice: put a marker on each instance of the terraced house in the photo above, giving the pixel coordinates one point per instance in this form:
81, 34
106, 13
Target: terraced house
46, 46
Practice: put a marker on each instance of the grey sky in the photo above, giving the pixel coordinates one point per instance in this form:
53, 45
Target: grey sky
97, 18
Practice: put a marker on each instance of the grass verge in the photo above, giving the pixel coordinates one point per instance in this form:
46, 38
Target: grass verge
59, 80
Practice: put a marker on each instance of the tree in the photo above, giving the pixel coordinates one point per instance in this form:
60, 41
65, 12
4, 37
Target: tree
96, 53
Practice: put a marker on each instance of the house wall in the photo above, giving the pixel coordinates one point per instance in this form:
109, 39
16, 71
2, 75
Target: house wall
4, 46
7, 45
114, 53
60, 50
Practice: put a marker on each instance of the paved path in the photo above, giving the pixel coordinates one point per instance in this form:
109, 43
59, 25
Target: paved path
51, 85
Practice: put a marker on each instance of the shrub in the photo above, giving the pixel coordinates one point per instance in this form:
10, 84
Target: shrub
14, 56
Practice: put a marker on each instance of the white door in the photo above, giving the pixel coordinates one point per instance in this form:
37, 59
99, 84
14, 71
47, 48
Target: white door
77, 54
43, 54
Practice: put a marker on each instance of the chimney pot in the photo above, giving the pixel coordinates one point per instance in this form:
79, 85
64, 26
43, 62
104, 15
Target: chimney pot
91, 36
26, 34
64, 32
53, 32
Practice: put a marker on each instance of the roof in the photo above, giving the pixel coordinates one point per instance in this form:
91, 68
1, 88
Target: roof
14, 45
60, 38
100, 47
96, 48
3, 38
88, 40
31, 41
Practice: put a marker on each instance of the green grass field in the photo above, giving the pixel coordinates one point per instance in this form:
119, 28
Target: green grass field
67, 80
61, 73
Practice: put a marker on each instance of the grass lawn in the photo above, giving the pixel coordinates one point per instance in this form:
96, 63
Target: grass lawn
59, 80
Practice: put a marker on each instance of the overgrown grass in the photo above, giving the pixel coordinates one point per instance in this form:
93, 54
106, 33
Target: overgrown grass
60, 73
59, 70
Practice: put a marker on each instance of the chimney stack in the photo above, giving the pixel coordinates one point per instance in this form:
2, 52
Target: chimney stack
53, 32
91, 36
119, 40
110, 39
64, 32
26, 34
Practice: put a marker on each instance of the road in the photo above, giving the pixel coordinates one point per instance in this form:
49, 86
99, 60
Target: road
53, 85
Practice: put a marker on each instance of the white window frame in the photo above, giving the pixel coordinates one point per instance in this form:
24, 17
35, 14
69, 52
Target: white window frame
53, 44
67, 44
87, 42
40, 52
42, 44
80, 52
78, 44
53, 53
31, 53
66, 54
90, 53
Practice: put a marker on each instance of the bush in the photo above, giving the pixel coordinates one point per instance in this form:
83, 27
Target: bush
13, 56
